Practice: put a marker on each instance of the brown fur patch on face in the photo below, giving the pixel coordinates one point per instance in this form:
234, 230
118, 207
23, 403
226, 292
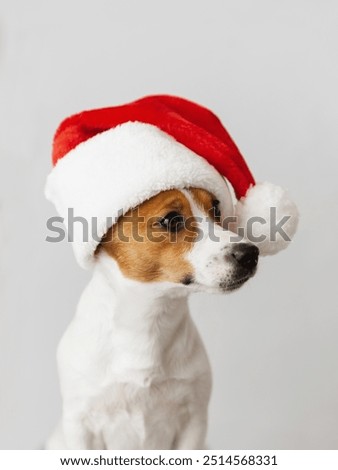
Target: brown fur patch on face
146, 250
206, 201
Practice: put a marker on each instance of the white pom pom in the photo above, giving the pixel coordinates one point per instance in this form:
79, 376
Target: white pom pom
267, 217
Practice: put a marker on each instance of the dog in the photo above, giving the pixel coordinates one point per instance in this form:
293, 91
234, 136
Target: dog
133, 370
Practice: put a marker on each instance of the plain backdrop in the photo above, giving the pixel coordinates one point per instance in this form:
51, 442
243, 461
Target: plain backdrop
269, 69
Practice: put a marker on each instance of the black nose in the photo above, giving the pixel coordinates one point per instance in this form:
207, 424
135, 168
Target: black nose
246, 255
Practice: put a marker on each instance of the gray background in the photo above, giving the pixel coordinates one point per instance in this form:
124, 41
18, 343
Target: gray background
269, 69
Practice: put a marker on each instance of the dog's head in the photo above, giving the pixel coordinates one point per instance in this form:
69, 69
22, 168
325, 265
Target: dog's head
178, 236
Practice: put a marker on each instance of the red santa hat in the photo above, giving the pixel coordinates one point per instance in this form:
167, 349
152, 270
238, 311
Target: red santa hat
107, 161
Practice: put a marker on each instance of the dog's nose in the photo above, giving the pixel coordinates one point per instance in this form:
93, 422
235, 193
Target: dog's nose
246, 255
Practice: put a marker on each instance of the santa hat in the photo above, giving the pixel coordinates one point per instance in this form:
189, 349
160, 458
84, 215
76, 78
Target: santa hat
107, 161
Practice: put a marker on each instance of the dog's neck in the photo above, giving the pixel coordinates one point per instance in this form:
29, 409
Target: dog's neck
145, 319
148, 298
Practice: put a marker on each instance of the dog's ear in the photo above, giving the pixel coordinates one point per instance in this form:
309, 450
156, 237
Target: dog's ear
106, 241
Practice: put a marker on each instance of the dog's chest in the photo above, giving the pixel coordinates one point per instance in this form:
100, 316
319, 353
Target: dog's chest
134, 375
131, 412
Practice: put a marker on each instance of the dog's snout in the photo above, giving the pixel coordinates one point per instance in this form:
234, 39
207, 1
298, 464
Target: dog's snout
245, 255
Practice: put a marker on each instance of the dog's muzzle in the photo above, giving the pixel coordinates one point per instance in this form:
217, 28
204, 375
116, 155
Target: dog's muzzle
245, 257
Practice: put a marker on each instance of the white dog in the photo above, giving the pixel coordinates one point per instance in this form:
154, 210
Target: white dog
134, 372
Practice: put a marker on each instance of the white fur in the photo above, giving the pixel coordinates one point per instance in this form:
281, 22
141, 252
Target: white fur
134, 373
119, 169
210, 251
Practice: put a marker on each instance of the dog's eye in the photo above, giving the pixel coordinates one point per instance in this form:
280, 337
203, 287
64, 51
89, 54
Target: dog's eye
215, 208
173, 221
